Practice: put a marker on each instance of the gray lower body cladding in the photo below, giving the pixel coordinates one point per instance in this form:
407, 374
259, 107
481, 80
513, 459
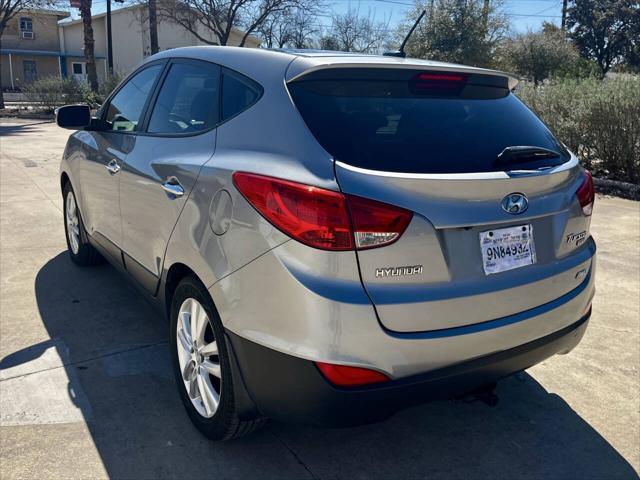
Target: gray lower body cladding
288, 388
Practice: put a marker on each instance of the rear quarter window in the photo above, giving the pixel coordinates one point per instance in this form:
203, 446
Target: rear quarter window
238, 93
382, 122
188, 101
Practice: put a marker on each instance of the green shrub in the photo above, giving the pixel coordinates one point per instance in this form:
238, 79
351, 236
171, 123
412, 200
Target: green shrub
580, 67
599, 120
109, 84
51, 92
90, 97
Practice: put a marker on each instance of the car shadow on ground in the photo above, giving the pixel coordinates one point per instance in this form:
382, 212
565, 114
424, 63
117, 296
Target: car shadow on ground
20, 128
114, 348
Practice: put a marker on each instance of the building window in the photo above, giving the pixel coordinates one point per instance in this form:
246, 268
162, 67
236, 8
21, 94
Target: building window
30, 71
26, 24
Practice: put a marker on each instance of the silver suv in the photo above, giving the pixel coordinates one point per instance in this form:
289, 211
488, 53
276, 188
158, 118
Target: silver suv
332, 237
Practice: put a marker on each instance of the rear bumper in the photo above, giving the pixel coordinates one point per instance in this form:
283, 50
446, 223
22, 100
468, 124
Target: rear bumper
289, 388
313, 306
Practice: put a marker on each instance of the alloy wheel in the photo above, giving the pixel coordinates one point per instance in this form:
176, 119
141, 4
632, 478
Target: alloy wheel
198, 357
73, 223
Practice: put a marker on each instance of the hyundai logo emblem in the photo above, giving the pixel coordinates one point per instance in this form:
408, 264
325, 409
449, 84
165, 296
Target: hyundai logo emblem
515, 203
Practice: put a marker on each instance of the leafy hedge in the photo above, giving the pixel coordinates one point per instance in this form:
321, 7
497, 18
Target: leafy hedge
599, 120
51, 92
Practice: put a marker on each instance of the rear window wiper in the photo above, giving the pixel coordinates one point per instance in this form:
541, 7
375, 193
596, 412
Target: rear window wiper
525, 154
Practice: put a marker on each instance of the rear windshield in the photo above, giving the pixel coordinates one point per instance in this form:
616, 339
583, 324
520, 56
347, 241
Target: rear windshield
387, 124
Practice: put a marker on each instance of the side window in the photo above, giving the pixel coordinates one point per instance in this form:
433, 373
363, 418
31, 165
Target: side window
125, 108
189, 99
238, 93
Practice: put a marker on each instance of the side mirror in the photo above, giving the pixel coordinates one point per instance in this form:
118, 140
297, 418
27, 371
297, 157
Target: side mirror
73, 117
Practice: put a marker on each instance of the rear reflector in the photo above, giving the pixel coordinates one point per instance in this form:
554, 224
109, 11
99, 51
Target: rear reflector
586, 194
344, 376
323, 218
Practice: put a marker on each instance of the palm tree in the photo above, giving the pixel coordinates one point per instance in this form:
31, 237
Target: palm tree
153, 27
89, 55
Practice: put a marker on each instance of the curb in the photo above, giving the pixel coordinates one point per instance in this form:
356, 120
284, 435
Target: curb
29, 116
627, 190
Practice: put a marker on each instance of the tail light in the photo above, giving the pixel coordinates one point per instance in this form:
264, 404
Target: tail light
375, 223
586, 194
323, 218
438, 82
314, 216
345, 376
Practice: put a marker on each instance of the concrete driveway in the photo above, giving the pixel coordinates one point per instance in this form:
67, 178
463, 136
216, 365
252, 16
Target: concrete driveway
86, 389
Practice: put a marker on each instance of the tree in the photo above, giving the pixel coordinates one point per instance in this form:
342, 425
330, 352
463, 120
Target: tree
302, 28
294, 28
460, 31
328, 42
352, 32
212, 21
632, 51
604, 30
148, 14
153, 27
538, 54
8, 11
89, 53
276, 31
563, 22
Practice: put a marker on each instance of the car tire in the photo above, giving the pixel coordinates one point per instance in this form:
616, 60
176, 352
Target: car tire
81, 251
193, 360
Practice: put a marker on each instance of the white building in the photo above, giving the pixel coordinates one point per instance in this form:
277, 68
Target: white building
130, 40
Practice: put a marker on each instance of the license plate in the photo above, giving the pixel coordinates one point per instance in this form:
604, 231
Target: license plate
507, 248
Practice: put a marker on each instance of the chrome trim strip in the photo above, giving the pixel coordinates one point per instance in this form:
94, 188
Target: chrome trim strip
573, 162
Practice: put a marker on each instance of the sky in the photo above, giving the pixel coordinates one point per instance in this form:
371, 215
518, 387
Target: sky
523, 14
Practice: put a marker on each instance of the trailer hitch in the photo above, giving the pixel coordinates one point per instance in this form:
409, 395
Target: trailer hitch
486, 394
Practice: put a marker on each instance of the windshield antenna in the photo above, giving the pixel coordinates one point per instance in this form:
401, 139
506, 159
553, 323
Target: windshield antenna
401, 53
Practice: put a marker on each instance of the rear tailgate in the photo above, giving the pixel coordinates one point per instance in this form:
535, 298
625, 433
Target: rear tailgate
428, 141
452, 288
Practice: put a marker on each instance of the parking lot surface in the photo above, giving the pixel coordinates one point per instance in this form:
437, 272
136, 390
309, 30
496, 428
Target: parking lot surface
86, 389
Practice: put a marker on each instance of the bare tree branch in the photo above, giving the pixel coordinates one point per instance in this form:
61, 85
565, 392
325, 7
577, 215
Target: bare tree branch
213, 21
352, 32
292, 27
10, 8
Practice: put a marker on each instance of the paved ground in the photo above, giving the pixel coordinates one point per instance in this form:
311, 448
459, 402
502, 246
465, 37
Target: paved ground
86, 391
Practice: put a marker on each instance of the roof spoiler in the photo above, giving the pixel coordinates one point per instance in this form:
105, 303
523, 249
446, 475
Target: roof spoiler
296, 72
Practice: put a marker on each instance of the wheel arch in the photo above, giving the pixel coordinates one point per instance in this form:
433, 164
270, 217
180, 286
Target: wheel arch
175, 274
64, 179
67, 178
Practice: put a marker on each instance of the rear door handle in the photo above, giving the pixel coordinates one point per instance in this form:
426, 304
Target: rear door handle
172, 188
113, 167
